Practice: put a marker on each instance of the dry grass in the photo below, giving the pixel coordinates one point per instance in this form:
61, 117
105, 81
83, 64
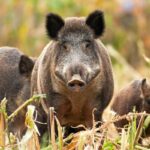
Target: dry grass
89, 139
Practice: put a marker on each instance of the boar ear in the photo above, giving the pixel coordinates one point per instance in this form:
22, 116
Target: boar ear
26, 65
53, 25
143, 86
96, 22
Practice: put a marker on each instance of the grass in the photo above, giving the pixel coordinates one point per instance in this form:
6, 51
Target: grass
89, 139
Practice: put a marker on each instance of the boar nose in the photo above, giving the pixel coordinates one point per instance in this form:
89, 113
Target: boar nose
76, 83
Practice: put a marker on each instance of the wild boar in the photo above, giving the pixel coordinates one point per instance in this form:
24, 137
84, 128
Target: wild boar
74, 70
15, 73
135, 95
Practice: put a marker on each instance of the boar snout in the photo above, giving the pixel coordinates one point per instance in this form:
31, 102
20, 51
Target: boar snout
76, 83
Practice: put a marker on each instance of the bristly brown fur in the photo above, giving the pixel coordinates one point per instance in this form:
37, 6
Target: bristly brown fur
75, 51
15, 73
135, 95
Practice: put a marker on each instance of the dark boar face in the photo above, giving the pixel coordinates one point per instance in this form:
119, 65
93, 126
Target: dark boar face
76, 52
145, 88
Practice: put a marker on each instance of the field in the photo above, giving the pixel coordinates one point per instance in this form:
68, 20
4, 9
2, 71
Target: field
127, 38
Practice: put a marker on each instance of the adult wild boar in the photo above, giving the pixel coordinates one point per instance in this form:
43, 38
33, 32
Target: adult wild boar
74, 69
15, 73
135, 95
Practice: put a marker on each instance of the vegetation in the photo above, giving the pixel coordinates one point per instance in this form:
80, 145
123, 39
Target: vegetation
127, 39
93, 139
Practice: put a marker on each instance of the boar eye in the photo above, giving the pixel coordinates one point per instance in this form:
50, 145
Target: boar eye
88, 44
64, 46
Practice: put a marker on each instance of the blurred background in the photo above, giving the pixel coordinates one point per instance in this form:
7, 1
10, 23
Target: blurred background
127, 34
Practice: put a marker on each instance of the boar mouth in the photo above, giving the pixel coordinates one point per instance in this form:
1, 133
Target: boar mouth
77, 83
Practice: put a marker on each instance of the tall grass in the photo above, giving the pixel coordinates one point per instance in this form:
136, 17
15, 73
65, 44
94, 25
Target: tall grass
89, 139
